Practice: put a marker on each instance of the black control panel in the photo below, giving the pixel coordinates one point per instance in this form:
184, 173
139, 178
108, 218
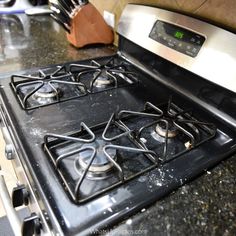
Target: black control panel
178, 38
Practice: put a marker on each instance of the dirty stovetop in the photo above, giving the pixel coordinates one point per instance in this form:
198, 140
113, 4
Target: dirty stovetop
205, 206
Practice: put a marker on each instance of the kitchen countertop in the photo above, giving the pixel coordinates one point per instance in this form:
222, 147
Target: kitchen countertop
205, 206
27, 42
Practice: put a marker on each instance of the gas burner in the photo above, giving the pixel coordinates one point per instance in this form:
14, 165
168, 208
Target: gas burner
46, 94
46, 91
99, 76
103, 80
166, 129
101, 162
46, 87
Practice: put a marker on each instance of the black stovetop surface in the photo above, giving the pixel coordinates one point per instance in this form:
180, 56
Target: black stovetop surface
30, 127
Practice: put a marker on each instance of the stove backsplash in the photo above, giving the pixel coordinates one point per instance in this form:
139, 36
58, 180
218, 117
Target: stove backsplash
218, 12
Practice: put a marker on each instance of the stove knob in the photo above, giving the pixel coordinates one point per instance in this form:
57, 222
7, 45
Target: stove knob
9, 151
31, 225
20, 196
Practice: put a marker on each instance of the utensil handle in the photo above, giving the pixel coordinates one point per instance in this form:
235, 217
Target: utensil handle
66, 28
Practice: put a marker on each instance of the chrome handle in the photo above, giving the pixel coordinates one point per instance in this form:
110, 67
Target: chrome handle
10, 211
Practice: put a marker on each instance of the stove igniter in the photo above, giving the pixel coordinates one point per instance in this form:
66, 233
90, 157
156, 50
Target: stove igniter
101, 163
161, 129
103, 80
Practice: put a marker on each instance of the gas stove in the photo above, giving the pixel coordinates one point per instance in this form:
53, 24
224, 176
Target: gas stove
95, 141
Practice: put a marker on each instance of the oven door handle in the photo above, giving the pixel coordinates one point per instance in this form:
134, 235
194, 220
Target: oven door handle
10, 211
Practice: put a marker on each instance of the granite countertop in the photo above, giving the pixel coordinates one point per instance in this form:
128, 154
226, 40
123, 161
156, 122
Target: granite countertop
27, 42
205, 206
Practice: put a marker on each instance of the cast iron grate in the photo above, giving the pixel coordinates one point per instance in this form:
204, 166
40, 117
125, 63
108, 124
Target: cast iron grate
129, 145
109, 74
57, 84
46, 87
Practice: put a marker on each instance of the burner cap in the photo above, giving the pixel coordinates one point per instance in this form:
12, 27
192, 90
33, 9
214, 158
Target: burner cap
46, 91
161, 129
103, 80
100, 163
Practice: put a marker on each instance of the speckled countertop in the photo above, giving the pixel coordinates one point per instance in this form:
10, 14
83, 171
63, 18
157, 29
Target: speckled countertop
27, 42
205, 206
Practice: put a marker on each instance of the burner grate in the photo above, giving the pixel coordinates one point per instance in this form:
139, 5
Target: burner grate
85, 183
53, 85
45, 88
170, 135
110, 74
98, 159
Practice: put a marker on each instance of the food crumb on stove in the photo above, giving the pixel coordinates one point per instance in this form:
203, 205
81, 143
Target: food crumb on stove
143, 210
208, 172
158, 183
188, 145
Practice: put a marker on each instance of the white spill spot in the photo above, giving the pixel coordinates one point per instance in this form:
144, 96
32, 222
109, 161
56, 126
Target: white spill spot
143, 140
109, 209
143, 210
113, 200
142, 179
208, 172
129, 222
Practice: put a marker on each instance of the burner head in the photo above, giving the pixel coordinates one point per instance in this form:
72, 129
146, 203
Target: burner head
46, 94
161, 129
46, 91
100, 162
103, 80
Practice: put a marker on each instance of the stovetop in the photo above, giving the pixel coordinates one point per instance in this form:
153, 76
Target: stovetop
122, 132
138, 114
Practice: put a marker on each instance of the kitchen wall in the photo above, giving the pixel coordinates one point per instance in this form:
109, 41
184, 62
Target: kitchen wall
221, 12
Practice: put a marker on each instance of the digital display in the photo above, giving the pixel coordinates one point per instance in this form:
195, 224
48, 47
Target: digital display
179, 35
177, 38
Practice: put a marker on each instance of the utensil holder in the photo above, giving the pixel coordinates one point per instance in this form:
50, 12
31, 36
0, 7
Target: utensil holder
89, 27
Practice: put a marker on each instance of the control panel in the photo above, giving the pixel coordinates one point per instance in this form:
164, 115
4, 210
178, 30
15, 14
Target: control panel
177, 38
